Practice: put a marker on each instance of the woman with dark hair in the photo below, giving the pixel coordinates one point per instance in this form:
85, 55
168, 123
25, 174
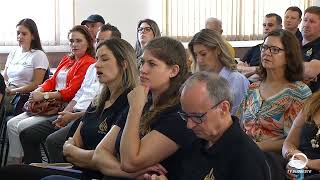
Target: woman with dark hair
63, 86
271, 105
146, 31
153, 132
26, 66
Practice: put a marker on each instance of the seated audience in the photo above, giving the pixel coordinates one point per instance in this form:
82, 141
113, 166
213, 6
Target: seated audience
268, 110
311, 46
153, 133
216, 25
206, 101
62, 86
57, 131
107, 31
26, 66
304, 135
93, 23
117, 72
210, 54
251, 59
292, 19
146, 31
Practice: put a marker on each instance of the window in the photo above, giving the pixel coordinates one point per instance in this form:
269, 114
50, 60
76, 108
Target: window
54, 18
241, 19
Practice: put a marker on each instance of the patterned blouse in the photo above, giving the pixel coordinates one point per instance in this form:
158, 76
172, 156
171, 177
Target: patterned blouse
271, 118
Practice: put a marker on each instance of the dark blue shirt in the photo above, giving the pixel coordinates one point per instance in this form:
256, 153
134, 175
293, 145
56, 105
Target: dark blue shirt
311, 51
252, 57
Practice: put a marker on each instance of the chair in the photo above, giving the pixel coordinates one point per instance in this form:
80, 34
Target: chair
19, 99
4, 142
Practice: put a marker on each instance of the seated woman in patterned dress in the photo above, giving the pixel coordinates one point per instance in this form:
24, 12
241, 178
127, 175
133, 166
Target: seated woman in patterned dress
270, 106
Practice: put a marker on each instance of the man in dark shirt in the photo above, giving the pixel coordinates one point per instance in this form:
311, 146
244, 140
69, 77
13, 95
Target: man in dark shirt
251, 59
311, 46
292, 19
223, 151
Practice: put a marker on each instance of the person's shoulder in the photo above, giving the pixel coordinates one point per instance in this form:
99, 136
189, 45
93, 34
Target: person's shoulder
238, 76
88, 58
300, 90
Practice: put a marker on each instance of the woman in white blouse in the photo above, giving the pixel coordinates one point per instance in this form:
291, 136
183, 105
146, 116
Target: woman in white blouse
26, 66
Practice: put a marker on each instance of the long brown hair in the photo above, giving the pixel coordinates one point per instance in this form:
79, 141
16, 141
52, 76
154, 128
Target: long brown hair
122, 51
311, 107
32, 27
171, 52
212, 39
293, 56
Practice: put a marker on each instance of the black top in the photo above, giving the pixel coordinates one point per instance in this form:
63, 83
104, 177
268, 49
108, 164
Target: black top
252, 57
299, 36
2, 85
96, 126
170, 124
308, 132
311, 51
233, 157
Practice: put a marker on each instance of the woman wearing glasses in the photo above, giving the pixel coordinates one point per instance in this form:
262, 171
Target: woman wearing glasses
154, 132
146, 31
271, 105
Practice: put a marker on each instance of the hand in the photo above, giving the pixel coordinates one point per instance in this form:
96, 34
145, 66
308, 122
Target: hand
36, 96
67, 146
155, 177
148, 172
63, 119
9, 91
290, 175
138, 97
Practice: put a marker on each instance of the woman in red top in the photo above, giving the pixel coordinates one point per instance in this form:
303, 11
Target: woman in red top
63, 85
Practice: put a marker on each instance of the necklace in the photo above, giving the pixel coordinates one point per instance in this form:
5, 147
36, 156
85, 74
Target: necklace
315, 141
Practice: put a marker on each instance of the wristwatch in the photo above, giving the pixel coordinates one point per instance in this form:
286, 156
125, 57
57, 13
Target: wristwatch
46, 96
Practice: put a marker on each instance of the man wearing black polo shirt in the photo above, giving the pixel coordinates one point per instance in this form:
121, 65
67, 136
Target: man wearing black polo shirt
292, 19
311, 46
223, 151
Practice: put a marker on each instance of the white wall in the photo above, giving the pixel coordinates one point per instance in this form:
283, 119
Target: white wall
124, 14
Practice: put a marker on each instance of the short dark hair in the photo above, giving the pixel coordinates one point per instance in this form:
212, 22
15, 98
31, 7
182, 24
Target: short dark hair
32, 27
278, 18
313, 10
293, 56
115, 31
296, 9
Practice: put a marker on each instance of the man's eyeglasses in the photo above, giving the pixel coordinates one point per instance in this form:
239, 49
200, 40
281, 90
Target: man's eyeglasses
197, 118
272, 49
145, 29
